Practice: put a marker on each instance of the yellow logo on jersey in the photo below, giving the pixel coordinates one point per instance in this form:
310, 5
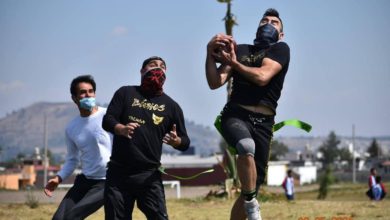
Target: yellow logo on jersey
148, 105
253, 59
135, 119
157, 120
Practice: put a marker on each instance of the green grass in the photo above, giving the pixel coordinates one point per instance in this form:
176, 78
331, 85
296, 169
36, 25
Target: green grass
344, 202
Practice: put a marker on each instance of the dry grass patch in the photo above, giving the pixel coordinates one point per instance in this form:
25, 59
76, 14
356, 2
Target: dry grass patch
219, 210
345, 202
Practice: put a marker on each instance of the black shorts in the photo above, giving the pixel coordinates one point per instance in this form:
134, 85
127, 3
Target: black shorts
252, 125
123, 189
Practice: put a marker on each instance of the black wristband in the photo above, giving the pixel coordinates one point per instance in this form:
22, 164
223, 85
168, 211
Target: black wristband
59, 178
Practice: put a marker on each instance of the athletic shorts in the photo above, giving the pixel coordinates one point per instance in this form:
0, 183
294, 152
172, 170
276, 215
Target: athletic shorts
248, 124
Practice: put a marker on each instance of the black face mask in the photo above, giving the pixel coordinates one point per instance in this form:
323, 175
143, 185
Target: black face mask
266, 35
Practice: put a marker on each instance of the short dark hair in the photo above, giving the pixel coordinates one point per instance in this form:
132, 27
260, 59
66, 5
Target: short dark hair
274, 13
83, 78
150, 59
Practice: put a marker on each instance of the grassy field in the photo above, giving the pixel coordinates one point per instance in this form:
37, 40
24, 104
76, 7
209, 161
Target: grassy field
344, 202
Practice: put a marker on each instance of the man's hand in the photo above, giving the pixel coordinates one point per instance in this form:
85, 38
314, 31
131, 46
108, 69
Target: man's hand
228, 56
126, 130
217, 75
52, 185
220, 42
171, 138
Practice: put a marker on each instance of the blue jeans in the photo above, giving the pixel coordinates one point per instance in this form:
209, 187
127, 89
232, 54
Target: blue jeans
290, 197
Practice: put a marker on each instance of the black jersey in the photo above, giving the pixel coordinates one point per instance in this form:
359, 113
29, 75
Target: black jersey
247, 93
156, 116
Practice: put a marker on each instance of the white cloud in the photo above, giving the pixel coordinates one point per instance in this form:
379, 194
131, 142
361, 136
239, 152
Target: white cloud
11, 86
119, 31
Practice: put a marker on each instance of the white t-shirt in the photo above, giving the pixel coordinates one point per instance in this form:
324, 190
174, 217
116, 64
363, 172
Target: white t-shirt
290, 185
88, 143
372, 180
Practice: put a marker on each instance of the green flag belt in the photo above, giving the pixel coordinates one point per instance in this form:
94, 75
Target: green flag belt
292, 122
162, 170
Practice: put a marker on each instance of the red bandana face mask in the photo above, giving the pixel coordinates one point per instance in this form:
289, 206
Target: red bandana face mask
153, 81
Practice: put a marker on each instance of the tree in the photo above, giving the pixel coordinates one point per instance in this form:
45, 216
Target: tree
20, 156
329, 149
326, 180
374, 149
1, 153
278, 149
345, 154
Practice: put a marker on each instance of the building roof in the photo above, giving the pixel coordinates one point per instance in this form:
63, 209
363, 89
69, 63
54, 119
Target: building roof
189, 161
386, 163
279, 162
49, 168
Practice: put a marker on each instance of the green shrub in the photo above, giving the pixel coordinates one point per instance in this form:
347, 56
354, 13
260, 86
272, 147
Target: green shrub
31, 200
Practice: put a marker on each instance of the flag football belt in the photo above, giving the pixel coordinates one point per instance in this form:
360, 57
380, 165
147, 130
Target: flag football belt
292, 122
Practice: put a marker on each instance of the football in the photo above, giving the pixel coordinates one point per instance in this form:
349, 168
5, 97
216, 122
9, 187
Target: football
226, 48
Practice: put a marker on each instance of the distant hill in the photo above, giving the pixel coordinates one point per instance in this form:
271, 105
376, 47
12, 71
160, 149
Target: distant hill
23, 130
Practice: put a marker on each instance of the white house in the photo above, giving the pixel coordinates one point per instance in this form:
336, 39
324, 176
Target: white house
189, 161
307, 174
276, 172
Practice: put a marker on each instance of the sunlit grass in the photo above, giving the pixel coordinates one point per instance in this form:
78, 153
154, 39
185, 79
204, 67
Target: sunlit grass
344, 202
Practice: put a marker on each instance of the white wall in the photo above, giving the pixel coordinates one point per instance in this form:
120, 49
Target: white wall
276, 174
308, 174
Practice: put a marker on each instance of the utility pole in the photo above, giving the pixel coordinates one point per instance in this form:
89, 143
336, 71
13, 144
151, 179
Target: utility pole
230, 21
45, 161
230, 160
378, 151
353, 155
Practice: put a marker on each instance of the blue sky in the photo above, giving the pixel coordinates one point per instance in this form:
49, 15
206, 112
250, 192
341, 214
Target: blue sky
339, 70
